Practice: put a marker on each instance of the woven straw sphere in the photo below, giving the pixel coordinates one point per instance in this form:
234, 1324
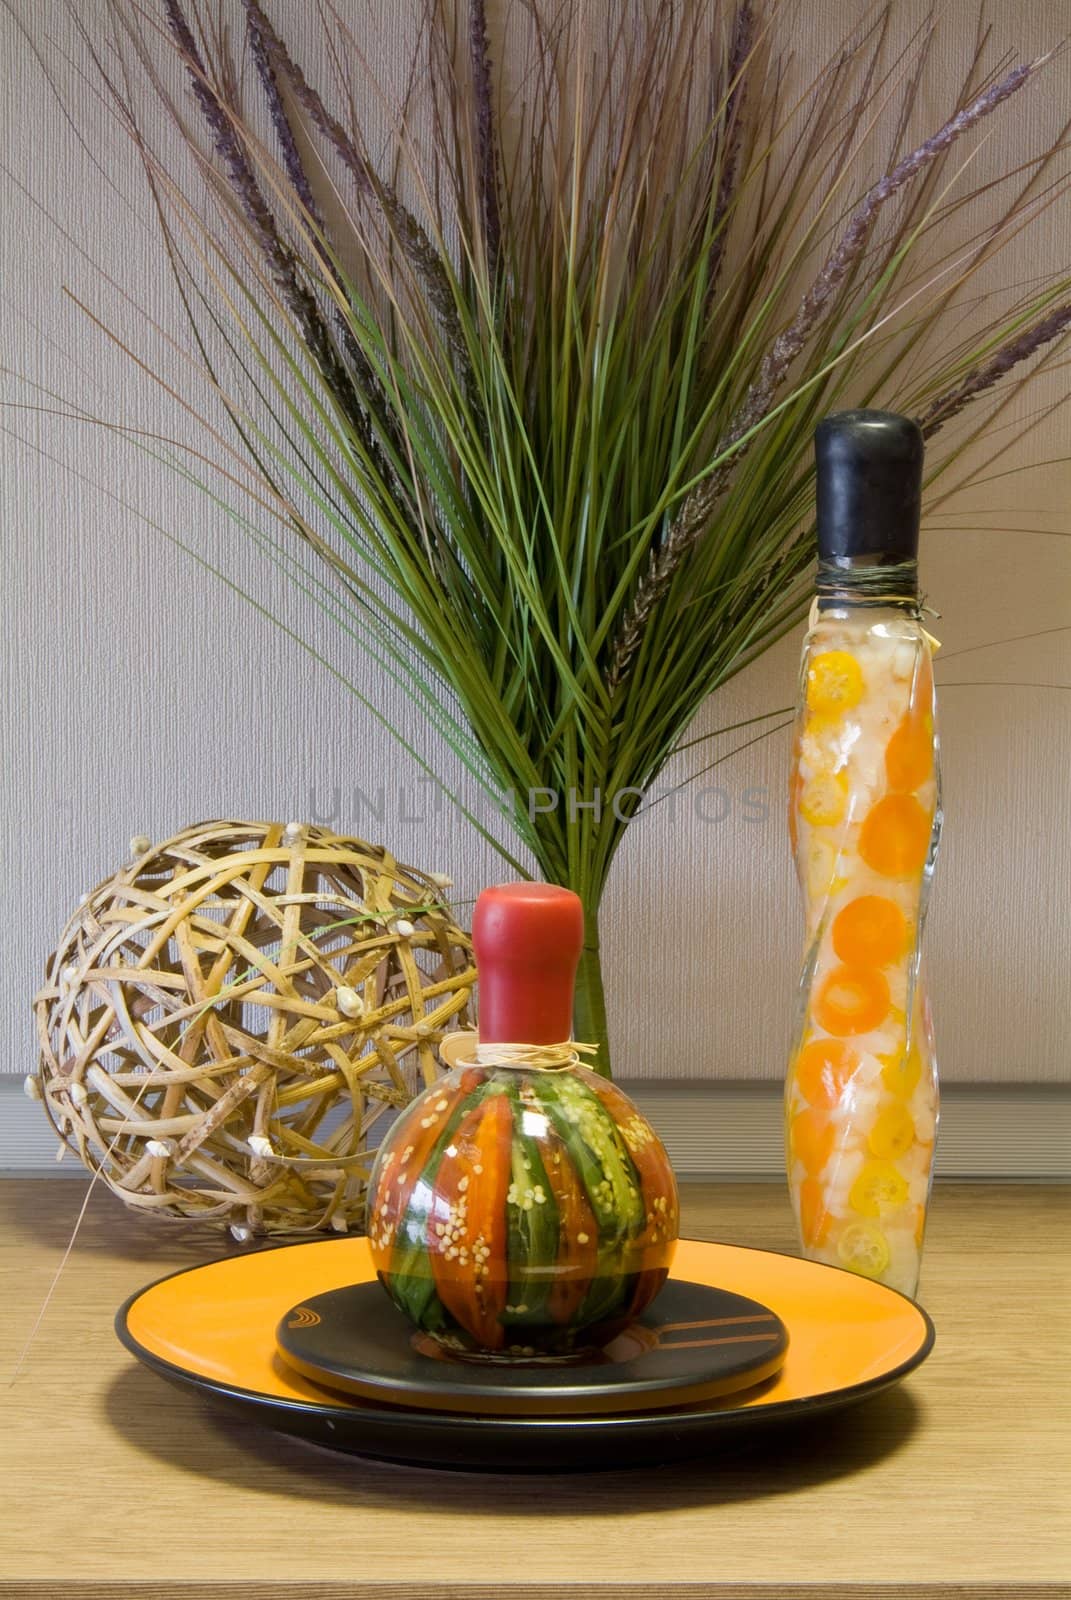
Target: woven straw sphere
229, 1024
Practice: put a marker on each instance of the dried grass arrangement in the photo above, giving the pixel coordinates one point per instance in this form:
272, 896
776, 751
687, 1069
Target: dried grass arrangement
546, 376
229, 1023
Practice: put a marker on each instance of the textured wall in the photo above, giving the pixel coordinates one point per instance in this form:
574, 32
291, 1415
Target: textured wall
142, 694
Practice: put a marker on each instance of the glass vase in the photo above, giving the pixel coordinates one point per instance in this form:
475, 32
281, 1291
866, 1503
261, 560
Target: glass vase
522, 1211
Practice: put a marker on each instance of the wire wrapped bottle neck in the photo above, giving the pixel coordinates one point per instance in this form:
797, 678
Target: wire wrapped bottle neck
847, 581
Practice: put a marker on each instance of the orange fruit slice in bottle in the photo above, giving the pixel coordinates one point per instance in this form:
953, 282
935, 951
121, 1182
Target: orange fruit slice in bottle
834, 681
870, 931
909, 753
895, 837
811, 1139
814, 1218
851, 1000
823, 1070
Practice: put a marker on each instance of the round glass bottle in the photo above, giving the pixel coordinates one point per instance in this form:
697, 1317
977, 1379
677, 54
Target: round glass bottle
865, 813
522, 1207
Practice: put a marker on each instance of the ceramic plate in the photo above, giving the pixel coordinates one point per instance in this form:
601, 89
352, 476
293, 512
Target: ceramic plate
212, 1328
694, 1343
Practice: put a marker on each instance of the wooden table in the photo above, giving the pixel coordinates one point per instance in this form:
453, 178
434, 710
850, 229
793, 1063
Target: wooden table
955, 1483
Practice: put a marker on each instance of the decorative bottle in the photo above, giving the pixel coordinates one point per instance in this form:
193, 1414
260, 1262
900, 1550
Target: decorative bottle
865, 815
521, 1206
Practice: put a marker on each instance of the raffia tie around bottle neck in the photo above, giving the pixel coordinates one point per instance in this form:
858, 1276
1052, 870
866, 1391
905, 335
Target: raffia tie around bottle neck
463, 1049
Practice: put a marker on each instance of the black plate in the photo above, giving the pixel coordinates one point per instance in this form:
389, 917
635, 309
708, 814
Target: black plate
696, 1342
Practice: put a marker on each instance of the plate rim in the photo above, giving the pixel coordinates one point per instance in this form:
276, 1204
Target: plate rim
405, 1418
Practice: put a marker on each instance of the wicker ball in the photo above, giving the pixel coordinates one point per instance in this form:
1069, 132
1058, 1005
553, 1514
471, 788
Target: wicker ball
229, 1024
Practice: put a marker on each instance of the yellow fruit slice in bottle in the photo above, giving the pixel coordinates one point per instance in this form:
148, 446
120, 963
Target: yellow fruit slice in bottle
834, 681
823, 865
879, 1190
824, 799
893, 1132
863, 1248
901, 1072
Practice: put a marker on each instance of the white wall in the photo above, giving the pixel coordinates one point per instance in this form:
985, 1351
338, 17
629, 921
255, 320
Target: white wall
142, 694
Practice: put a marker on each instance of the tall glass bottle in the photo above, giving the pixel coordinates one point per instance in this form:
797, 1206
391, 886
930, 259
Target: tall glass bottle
865, 815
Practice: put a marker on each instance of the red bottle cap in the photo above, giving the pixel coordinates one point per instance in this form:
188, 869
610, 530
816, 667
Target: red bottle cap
527, 938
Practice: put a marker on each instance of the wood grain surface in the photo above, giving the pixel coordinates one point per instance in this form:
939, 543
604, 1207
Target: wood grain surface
954, 1484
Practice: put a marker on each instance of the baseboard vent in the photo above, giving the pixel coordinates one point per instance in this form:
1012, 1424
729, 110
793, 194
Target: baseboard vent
987, 1130
730, 1130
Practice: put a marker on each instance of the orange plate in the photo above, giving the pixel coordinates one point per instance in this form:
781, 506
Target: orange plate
212, 1328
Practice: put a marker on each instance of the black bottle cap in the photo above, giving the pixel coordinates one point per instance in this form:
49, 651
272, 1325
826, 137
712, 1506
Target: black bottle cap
869, 486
